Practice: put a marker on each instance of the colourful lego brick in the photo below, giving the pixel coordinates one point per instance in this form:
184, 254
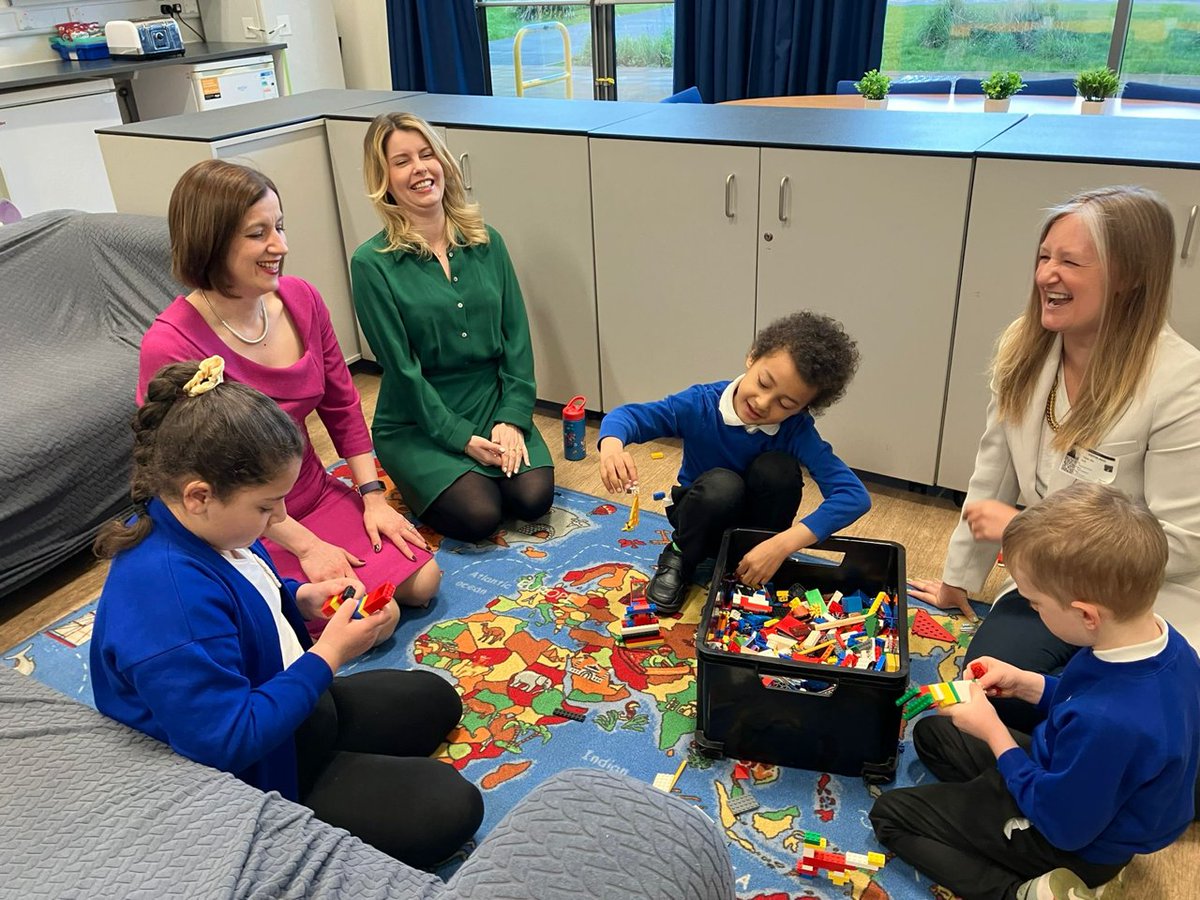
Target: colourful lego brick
743, 803
569, 714
924, 626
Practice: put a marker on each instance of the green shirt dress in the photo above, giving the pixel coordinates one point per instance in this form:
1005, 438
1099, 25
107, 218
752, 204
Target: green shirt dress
456, 356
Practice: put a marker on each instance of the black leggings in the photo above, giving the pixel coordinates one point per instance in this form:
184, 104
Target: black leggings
472, 508
363, 758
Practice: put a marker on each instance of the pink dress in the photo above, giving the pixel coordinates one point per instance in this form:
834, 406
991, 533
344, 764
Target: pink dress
320, 381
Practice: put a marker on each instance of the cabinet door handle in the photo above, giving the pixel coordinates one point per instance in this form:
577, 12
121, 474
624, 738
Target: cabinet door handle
464, 163
783, 191
729, 184
1187, 235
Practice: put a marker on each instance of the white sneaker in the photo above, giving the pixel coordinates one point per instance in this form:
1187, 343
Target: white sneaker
1063, 884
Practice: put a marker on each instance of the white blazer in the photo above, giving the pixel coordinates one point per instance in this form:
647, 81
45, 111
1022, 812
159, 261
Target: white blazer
1157, 445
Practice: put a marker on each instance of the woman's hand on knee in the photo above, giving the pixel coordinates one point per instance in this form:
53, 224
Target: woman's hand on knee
483, 451
944, 596
381, 520
513, 451
323, 561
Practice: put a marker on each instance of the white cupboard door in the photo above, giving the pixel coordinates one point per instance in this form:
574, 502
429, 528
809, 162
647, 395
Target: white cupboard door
872, 240
1009, 201
534, 189
675, 231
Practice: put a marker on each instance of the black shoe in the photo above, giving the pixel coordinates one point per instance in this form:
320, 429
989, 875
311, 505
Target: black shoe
667, 587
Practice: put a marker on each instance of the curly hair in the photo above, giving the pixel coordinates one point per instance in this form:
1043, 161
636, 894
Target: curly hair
823, 354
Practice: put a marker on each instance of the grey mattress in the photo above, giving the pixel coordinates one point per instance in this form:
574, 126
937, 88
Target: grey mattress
77, 291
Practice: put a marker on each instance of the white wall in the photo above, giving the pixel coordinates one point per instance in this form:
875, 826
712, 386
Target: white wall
25, 29
362, 26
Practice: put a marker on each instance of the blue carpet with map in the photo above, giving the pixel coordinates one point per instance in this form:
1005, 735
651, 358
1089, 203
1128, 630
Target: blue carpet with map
526, 622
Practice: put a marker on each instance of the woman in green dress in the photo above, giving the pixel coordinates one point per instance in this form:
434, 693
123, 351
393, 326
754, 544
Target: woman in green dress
439, 302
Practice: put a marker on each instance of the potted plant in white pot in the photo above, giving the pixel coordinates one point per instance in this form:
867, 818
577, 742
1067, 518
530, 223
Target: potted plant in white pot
1097, 87
998, 89
874, 86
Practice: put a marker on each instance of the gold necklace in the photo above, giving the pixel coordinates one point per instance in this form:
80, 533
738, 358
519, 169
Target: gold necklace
1050, 419
262, 311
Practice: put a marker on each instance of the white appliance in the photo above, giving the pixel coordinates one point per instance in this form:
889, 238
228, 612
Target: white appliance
147, 38
49, 155
313, 58
174, 90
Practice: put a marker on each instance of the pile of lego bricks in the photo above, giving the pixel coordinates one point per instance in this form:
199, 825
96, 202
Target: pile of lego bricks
639, 627
807, 626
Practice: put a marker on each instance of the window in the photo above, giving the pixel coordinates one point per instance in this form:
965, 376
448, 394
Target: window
1163, 44
967, 37
579, 50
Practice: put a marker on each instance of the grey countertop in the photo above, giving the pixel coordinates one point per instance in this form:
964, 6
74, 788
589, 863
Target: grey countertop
248, 118
1102, 139
506, 113
834, 129
60, 71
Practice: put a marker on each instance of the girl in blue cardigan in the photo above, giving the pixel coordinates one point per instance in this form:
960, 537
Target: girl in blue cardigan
199, 643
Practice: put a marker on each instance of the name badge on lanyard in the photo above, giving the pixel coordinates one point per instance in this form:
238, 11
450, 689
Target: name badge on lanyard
1089, 466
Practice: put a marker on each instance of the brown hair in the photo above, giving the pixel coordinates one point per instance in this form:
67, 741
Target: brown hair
206, 210
464, 222
1090, 542
1134, 236
231, 437
823, 354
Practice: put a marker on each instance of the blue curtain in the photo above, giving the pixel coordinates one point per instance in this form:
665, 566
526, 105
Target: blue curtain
435, 46
734, 49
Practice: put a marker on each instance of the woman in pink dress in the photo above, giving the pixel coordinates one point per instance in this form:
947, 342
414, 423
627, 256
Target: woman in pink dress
274, 332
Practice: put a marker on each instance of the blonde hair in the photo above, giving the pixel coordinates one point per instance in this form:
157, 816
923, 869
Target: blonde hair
1090, 542
1134, 236
464, 222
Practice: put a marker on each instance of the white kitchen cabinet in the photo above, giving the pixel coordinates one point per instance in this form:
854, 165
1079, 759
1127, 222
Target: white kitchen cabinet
675, 245
1009, 202
872, 240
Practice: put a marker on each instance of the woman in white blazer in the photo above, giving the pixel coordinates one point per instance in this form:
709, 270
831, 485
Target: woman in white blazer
1089, 384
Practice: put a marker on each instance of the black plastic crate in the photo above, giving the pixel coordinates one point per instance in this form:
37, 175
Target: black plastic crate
799, 714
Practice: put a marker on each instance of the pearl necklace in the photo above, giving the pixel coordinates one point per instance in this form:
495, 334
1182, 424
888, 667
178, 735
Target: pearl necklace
262, 311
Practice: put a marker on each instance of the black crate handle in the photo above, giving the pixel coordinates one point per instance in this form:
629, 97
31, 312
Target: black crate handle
807, 686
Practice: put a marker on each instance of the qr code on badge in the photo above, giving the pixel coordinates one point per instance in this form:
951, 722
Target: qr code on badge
1069, 463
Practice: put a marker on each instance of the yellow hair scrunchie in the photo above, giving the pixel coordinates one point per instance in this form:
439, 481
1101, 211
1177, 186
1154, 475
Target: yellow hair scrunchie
208, 376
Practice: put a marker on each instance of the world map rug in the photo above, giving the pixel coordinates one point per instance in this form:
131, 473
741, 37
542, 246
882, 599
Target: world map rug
525, 626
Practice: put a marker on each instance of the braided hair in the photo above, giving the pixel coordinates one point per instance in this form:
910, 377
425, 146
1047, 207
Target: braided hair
231, 437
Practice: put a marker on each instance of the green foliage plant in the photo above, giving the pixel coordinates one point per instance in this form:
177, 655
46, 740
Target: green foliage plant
1001, 85
874, 85
1097, 84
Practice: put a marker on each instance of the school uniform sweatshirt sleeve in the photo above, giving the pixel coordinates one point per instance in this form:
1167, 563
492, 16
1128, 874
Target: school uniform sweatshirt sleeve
636, 423
845, 498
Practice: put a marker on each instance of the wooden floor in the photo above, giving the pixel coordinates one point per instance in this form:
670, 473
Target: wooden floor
921, 523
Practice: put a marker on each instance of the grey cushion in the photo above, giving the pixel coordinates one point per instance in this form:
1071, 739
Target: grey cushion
91, 808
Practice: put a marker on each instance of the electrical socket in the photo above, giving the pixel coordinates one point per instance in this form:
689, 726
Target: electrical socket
283, 26
250, 28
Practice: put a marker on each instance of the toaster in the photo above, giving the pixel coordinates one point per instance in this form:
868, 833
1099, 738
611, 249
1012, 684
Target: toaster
143, 37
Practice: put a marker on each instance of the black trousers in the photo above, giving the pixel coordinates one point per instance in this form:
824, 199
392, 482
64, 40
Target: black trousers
954, 831
364, 765
765, 497
1013, 632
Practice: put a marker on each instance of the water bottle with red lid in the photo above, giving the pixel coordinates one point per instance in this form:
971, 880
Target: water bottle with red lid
574, 429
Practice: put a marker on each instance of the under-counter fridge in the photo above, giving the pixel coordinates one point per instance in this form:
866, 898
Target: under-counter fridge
313, 58
49, 154
175, 90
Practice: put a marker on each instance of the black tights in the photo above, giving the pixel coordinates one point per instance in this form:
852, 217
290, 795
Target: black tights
472, 508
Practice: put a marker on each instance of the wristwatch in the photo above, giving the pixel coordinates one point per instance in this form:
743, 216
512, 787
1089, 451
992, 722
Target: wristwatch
370, 486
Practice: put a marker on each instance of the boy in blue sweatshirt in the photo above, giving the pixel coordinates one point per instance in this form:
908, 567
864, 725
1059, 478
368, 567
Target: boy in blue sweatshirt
743, 444
1110, 771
